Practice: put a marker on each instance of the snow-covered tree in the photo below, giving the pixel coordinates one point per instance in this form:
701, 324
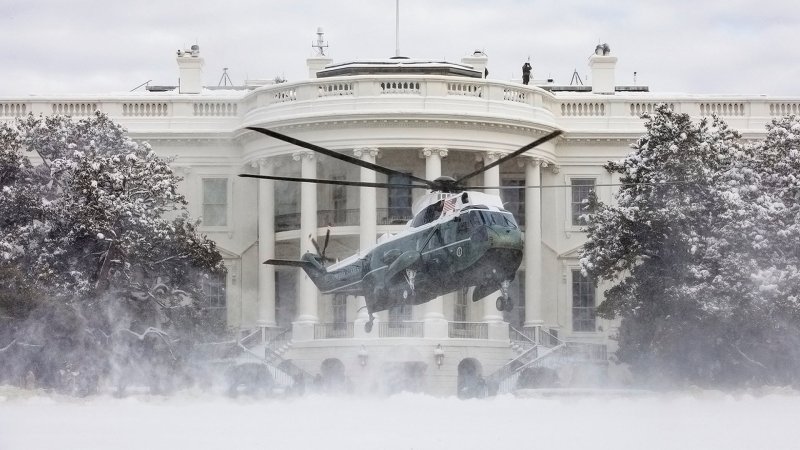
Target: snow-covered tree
692, 246
92, 224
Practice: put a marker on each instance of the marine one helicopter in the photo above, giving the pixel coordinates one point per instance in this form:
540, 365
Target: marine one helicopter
457, 239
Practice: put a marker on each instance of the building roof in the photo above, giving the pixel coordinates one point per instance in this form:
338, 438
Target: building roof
399, 65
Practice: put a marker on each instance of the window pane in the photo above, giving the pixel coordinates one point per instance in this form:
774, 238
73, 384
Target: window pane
215, 310
399, 314
339, 307
215, 215
215, 202
215, 191
581, 189
399, 200
583, 303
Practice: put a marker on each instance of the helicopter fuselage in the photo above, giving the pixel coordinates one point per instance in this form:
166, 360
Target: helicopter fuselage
475, 246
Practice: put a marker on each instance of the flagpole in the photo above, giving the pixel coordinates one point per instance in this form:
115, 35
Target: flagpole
397, 28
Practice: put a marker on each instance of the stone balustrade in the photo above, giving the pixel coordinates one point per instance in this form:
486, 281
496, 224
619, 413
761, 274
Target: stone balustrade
440, 95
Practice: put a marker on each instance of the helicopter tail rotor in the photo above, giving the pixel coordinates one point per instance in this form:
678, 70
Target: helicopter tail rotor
321, 251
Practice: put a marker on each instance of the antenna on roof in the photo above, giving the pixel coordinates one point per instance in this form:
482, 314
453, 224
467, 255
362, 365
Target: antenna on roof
225, 78
576, 79
320, 45
397, 29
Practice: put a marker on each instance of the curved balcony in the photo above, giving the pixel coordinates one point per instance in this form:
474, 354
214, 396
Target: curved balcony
342, 218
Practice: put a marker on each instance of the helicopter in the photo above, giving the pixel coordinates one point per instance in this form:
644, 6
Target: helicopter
457, 239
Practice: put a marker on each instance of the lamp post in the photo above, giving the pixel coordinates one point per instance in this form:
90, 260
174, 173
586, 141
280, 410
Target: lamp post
438, 355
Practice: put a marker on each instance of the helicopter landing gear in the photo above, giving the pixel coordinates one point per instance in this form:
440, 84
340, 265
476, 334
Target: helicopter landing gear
504, 302
368, 324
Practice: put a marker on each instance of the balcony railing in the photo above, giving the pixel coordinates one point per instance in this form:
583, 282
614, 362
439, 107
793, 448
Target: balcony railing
337, 330
393, 216
341, 218
337, 217
468, 330
286, 222
400, 329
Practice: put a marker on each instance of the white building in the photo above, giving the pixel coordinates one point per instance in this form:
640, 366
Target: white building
426, 118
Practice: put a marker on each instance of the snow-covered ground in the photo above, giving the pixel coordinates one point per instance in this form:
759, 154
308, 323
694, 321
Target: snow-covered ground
190, 420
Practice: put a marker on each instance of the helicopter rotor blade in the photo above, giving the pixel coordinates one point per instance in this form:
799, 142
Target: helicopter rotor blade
335, 182
325, 245
522, 150
339, 156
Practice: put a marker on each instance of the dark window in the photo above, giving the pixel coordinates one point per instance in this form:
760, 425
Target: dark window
460, 311
514, 199
581, 189
215, 309
339, 311
583, 302
399, 201
339, 195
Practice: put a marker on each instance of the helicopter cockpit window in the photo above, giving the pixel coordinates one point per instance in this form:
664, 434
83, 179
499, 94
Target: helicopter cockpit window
497, 218
428, 215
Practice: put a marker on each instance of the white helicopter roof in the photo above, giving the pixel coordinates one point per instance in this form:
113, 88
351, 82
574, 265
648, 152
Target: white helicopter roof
473, 198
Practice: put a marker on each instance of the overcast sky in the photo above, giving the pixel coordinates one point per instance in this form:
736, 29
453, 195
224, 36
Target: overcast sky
691, 46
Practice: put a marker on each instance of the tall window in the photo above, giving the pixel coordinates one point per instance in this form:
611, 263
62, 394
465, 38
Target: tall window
215, 202
514, 199
460, 311
583, 303
215, 308
399, 199
339, 195
398, 314
339, 311
581, 189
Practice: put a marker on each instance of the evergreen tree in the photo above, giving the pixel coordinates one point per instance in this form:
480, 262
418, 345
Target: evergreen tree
95, 229
700, 248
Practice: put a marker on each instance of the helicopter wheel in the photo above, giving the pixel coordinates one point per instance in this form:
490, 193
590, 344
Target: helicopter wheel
504, 303
368, 327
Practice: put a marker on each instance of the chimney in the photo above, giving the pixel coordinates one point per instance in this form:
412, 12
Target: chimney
602, 65
478, 60
317, 63
190, 71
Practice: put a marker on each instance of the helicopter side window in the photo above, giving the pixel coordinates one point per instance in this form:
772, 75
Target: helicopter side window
475, 219
463, 224
428, 215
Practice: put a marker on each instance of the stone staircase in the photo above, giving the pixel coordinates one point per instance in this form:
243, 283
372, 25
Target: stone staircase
268, 347
541, 357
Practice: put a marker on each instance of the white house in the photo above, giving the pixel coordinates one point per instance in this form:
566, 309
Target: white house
424, 117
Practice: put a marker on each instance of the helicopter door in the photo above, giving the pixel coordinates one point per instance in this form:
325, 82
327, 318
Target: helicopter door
437, 257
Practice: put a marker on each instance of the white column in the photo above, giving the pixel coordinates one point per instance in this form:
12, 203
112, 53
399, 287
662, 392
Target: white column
303, 327
533, 243
368, 223
435, 324
491, 178
266, 245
